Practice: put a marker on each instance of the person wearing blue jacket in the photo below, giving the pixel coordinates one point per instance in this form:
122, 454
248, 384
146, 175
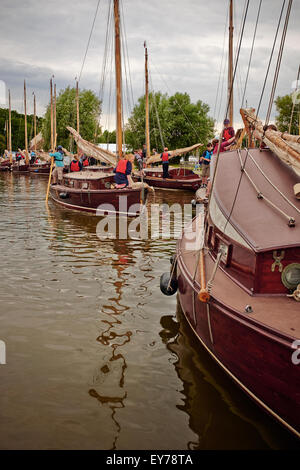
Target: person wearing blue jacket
59, 165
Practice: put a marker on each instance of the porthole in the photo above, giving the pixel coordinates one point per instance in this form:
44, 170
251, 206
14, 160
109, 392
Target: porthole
291, 276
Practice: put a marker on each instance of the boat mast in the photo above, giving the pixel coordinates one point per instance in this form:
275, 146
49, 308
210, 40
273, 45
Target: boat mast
51, 114
34, 120
118, 79
77, 104
230, 63
54, 118
25, 115
147, 102
9, 128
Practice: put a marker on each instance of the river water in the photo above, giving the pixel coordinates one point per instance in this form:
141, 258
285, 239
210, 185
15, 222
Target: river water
96, 356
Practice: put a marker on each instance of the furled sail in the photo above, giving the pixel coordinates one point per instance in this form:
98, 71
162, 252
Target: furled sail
37, 142
284, 145
91, 150
173, 153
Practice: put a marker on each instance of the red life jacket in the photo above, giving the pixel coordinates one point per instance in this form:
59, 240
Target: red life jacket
165, 157
85, 162
227, 134
75, 166
121, 167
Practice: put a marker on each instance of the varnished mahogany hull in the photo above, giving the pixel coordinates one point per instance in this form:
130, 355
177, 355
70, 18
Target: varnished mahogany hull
257, 357
125, 201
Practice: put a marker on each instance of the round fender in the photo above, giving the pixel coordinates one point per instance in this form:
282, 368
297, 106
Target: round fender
164, 283
64, 195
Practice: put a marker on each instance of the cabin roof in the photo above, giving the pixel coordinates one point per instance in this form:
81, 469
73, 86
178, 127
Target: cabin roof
263, 227
91, 175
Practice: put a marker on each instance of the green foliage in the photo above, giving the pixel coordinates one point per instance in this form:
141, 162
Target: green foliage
89, 111
107, 137
17, 129
284, 105
182, 123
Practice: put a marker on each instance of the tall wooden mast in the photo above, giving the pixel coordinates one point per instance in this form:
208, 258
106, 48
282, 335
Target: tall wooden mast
9, 128
230, 63
54, 118
51, 115
25, 117
77, 105
147, 102
34, 120
118, 79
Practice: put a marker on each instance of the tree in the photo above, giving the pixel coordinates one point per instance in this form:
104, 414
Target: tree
284, 105
17, 129
182, 123
107, 137
89, 112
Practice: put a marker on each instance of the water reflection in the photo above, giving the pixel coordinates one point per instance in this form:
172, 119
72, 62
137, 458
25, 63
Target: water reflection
113, 371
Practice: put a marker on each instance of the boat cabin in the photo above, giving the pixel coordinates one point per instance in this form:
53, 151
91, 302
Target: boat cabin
254, 220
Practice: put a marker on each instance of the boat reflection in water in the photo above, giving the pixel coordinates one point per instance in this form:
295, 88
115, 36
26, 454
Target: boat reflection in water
218, 412
110, 376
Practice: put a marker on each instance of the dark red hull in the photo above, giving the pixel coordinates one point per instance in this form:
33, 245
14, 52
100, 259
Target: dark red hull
125, 201
20, 169
257, 357
179, 179
40, 169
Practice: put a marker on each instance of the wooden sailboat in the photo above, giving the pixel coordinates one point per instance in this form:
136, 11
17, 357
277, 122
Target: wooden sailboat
95, 192
239, 285
179, 178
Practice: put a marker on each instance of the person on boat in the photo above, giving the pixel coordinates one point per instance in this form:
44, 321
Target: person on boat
228, 132
139, 161
122, 171
85, 161
32, 158
165, 162
205, 160
59, 165
76, 164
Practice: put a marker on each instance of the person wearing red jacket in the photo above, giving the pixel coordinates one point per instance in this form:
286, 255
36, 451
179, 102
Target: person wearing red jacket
165, 162
76, 165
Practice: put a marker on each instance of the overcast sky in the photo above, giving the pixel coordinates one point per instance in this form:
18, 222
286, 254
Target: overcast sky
185, 43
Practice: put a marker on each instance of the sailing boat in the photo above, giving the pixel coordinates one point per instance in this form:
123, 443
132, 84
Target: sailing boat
179, 178
240, 287
87, 190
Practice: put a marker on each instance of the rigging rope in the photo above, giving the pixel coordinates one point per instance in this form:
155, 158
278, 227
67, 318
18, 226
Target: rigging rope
156, 111
221, 65
279, 60
270, 60
88, 43
250, 58
294, 101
